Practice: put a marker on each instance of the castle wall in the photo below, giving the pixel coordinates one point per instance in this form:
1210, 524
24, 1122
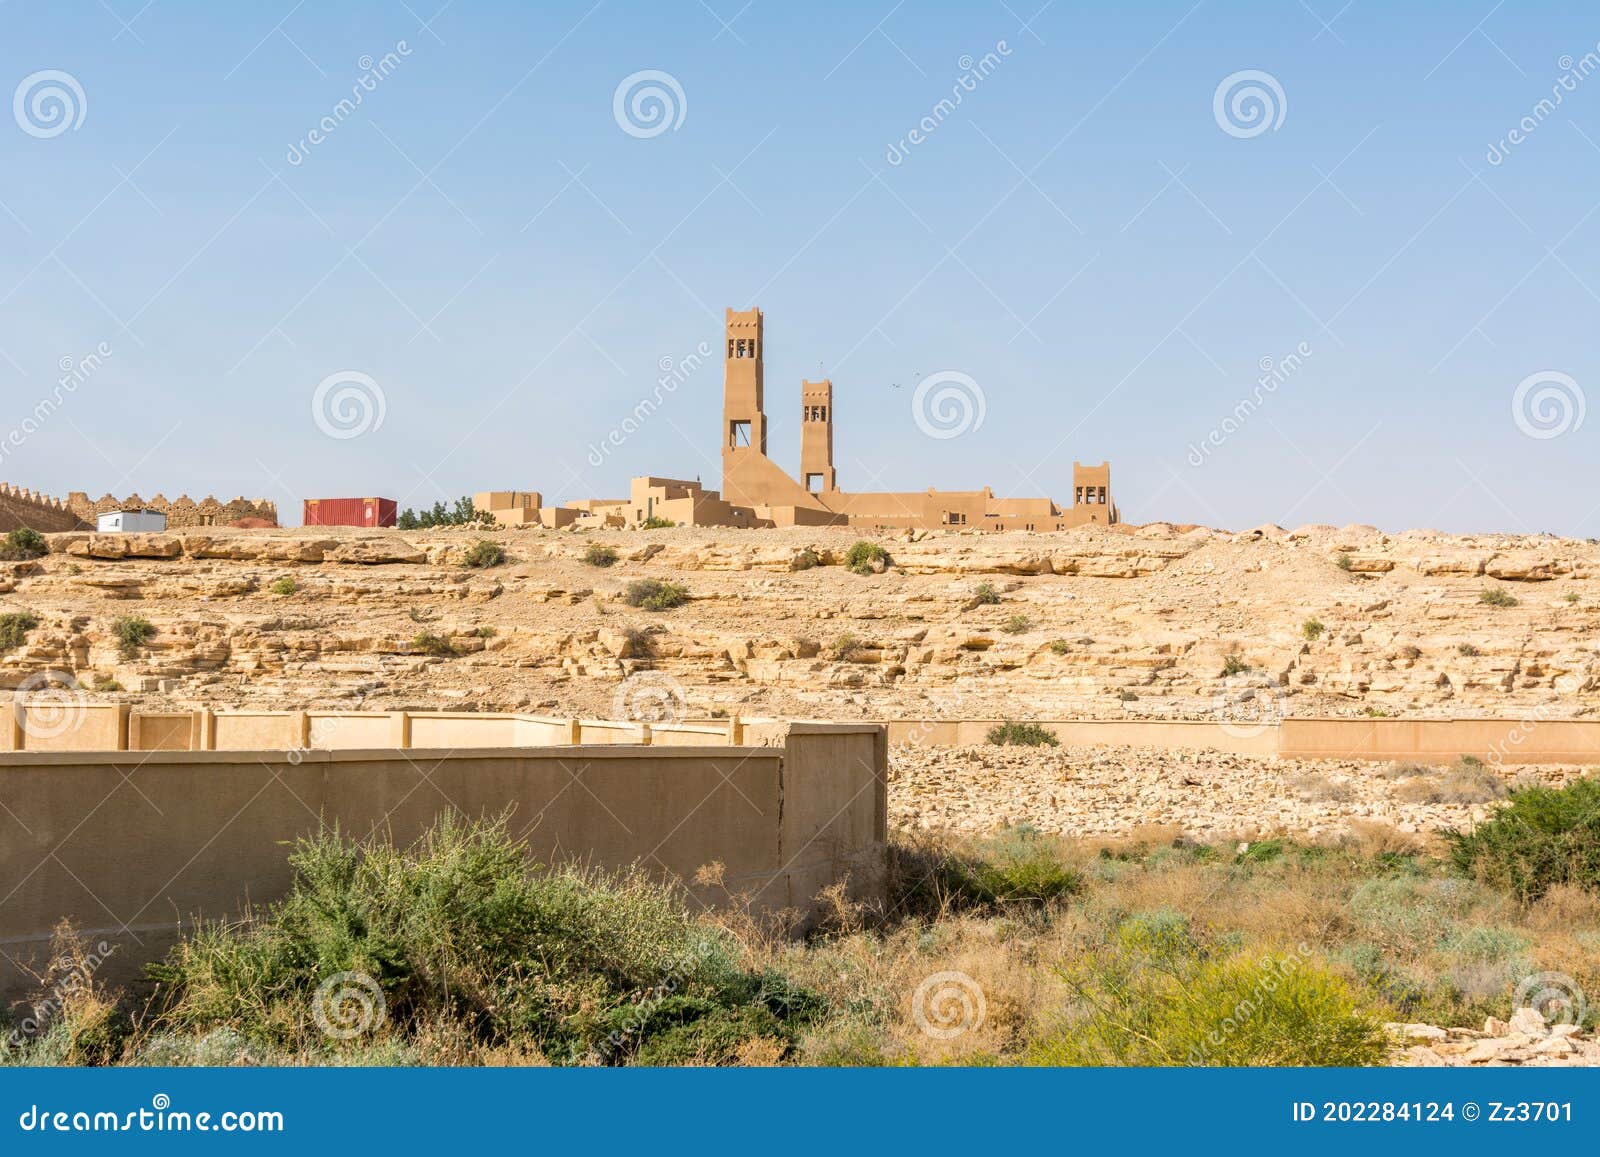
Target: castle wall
26, 508
181, 512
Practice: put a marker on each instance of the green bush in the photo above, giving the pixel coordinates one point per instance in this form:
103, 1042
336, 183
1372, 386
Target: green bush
805, 560
985, 595
1011, 733
1059, 646
484, 553
284, 586
1312, 629
1159, 995
1343, 561
1234, 664
14, 628
655, 595
1017, 624
459, 930
1468, 651
428, 643
597, 555
131, 633
1497, 597
1543, 837
22, 544
1017, 865
655, 523
865, 557
463, 513
845, 647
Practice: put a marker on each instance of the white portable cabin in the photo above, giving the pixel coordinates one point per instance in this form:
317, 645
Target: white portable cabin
130, 521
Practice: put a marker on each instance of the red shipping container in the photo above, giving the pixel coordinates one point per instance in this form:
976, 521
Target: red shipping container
350, 512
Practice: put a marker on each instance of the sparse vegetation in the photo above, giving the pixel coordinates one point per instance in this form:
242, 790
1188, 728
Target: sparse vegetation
1469, 781
1233, 664
1312, 630
655, 523
284, 586
14, 628
1411, 651
1571, 596
865, 557
428, 643
22, 544
985, 595
1545, 837
484, 553
805, 560
596, 554
1059, 646
463, 513
1344, 561
846, 646
484, 632
105, 683
1021, 734
131, 633
1468, 651
1017, 624
655, 594
1127, 696
1497, 597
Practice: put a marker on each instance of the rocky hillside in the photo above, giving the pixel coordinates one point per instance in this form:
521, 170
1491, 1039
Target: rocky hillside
1125, 621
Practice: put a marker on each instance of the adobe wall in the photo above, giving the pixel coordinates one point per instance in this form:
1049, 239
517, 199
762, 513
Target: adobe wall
27, 508
206, 831
180, 512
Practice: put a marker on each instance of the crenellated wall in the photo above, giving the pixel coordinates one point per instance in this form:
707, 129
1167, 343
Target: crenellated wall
181, 512
20, 508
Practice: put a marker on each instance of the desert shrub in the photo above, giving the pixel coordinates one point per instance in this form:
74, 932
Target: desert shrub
1411, 651
1016, 865
1468, 651
1497, 597
1127, 696
79, 1022
597, 555
865, 557
1543, 837
131, 633
985, 595
104, 682
1158, 994
845, 647
655, 522
484, 553
1466, 782
284, 586
1343, 561
1320, 788
1017, 624
1012, 733
428, 643
14, 628
1571, 596
1059, 646
462, 513
1312, 629
805, 560
22, 544
461, 930
484, 632
655, 595
1234, 664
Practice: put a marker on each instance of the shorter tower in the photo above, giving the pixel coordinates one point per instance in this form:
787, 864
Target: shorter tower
816, 436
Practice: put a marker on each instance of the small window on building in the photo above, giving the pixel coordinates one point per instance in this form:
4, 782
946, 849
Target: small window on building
730, 347
738, 434
814, 483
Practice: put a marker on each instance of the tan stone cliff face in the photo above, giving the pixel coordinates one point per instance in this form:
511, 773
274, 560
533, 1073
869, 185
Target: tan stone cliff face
1146, 622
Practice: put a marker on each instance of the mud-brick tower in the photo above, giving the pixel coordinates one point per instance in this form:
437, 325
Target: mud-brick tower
744, 424
816, 436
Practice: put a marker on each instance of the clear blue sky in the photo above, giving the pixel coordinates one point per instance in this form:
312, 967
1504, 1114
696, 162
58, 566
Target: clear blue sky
1081, 237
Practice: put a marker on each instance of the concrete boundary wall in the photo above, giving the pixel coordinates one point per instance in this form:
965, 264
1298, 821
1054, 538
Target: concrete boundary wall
133, 850
1422, 740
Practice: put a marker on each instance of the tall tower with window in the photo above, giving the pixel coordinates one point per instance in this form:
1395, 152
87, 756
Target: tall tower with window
744, 424
816, 436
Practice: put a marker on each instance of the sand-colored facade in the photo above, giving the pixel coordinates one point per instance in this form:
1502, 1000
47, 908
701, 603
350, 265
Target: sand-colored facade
757, 492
